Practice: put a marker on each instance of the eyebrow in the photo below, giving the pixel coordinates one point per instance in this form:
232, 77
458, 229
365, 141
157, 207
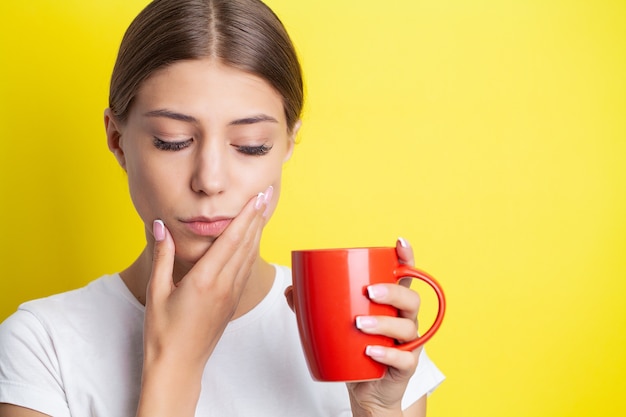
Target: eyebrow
171, 115
259, 118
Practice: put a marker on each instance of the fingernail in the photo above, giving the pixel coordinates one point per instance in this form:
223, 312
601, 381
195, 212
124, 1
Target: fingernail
268, 197
403, 242
376, 292
158, 230
260, 200
375, 351
269, 193
366, 322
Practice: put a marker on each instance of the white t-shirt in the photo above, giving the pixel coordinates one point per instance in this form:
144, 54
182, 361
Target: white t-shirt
80, 354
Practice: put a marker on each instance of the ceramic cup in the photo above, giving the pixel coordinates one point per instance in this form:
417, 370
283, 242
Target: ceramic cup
330, 291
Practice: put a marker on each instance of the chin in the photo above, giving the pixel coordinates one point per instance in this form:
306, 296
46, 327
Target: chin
190, 253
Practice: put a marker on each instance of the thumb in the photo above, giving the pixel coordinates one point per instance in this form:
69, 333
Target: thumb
406, 257
405, 252
161, 280
289, 296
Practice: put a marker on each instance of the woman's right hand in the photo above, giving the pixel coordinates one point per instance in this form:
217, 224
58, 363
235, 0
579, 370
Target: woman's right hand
184, 321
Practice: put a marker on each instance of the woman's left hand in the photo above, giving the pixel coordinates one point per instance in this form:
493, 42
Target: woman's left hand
383, 397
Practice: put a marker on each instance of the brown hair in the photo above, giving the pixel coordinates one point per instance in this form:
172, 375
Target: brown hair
245, 34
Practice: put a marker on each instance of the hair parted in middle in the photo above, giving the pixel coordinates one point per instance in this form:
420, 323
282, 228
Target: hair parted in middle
243, 34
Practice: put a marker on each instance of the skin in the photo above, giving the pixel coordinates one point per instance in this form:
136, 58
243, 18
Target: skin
215, 116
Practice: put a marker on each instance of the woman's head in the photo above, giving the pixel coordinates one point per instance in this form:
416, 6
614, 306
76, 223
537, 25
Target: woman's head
204, 108
244, 34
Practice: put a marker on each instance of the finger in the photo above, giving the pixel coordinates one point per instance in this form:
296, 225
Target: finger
232, 240
400, 329
226, 266
161, 282
404, 252
404, 363
405, 256
242, 260
404, 299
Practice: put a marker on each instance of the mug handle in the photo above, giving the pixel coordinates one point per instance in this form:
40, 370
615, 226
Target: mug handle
404, 271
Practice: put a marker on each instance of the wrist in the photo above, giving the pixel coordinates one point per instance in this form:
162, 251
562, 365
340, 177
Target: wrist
373, 410
377, 413
169, 388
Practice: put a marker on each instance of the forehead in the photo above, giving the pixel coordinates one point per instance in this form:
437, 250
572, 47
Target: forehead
206, 88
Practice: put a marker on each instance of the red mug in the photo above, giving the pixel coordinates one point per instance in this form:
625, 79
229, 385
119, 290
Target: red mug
330, 291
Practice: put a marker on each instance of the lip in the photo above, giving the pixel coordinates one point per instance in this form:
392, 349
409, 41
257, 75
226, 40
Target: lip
203, 226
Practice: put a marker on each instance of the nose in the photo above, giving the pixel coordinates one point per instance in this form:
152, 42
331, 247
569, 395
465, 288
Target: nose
210, 171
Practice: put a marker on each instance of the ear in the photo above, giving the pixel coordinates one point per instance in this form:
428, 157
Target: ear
114, 136
292, 140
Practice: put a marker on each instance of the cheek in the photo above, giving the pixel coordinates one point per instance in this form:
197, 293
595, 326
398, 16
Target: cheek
274, 178
257, 176
145, 185
140, 193
272, 174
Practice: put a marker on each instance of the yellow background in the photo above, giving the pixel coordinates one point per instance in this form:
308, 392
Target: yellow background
489, 133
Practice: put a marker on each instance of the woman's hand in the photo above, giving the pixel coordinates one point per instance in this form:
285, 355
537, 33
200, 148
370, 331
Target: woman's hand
184, 321
383, 397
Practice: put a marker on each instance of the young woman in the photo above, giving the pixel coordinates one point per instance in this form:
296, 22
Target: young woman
205, 104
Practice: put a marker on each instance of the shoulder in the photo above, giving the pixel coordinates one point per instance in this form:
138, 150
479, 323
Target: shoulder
48, 346
98, 292
32, 314
21, 332
28, 364
51, 315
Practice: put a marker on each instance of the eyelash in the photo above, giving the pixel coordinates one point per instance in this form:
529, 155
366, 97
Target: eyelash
171, 146
177, 146
254, 150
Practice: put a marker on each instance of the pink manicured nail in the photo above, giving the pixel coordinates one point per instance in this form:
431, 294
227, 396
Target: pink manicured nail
366, 322
403, 242
269, 193
375, 351
260, 200
376, 292
158, 229
268, 197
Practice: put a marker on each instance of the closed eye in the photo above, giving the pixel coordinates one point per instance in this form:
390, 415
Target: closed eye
254, 150
171, 146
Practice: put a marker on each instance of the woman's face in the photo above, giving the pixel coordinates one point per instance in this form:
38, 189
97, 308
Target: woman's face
200, 140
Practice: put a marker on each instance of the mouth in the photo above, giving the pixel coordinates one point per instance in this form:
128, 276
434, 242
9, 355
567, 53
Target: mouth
207, 227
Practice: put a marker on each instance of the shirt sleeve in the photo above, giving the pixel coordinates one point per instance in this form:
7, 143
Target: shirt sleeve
29, 370
427, 377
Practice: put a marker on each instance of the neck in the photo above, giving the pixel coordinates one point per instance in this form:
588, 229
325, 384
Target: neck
137, 276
